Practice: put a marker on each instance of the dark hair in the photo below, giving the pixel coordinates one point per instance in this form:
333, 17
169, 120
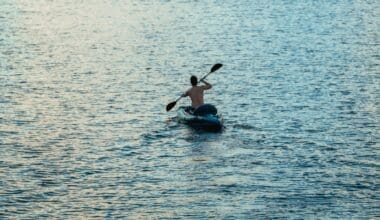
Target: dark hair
193, 80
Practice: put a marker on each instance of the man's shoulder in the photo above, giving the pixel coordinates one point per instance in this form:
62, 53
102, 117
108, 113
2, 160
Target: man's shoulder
189, 90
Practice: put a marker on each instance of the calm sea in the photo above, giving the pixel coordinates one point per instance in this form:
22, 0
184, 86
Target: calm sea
84, 132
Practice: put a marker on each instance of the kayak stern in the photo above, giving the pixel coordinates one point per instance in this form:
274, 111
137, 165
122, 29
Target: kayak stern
208, 122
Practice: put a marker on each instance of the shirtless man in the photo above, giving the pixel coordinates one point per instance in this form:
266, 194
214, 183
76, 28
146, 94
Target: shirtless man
196, 92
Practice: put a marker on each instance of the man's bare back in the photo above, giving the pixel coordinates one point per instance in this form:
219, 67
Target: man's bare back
196, 92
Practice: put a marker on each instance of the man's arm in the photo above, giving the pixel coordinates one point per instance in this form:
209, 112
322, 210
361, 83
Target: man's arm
185, 94
207, 85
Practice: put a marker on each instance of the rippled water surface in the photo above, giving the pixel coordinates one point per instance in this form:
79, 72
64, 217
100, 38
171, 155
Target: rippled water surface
84, 132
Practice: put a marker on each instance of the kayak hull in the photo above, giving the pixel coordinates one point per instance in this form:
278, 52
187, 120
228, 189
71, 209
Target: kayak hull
207, 121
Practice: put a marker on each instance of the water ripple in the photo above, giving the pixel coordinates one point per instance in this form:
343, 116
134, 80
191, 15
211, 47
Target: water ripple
84, 132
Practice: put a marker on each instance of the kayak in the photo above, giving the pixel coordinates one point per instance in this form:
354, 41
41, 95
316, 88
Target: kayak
204, 117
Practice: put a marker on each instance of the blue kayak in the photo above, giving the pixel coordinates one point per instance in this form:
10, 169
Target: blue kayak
204, 117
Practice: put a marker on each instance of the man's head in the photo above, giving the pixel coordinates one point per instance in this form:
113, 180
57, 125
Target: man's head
193, 80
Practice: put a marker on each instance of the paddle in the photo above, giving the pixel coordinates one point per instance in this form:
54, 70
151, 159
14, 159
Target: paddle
213, 69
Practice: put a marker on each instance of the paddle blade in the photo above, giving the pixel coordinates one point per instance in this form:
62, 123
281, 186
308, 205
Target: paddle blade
170, 106
216, 67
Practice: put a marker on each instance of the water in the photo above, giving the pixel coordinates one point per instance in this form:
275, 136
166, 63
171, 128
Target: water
84, 132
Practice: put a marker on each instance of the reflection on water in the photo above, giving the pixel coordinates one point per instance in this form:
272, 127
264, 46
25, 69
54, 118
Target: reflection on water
84, 132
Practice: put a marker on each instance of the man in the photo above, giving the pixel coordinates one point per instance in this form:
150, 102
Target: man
196, 92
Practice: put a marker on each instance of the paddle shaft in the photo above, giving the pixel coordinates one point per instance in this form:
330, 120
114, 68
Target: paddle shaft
205, 76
